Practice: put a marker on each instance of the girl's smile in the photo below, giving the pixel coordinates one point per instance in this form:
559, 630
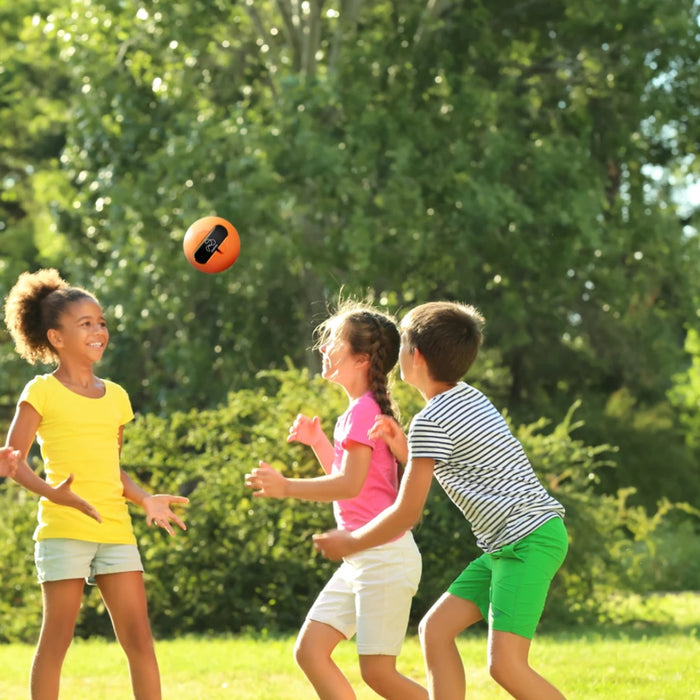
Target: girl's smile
82, 325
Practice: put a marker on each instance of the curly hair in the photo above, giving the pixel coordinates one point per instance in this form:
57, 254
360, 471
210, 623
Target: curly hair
367, 331
33, 306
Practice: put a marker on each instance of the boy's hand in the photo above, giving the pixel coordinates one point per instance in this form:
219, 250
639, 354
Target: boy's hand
266, 482
8, 461
387, 429
159, 513
335, 544
63, 495
306, 430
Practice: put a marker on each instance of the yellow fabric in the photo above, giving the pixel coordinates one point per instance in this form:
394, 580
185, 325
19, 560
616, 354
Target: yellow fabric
79, 436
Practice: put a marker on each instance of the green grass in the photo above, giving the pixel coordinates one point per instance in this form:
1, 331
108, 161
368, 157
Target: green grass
640, 661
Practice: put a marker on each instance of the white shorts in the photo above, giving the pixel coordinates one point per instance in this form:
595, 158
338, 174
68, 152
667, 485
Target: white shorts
370, 594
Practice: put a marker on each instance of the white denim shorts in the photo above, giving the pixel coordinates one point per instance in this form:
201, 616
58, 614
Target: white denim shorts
370, 595
61, 558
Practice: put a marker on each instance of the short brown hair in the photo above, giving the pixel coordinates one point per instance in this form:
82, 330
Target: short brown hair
447, 334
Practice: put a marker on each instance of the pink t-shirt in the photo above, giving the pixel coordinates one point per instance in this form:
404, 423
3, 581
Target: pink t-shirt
381, 485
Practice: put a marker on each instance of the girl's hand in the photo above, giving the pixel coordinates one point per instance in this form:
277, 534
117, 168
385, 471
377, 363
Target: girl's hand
159, 513
63, 495
306, 430
266, 482
8, 461
387, 429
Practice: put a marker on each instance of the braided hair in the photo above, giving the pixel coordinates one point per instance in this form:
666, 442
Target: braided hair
372, 333
33, 306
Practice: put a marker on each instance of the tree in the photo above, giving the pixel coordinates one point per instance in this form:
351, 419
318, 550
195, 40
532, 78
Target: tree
504, 154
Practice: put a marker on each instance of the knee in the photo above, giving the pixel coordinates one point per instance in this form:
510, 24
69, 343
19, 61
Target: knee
497, 671
303, 655
137, 641
422, 629
504, 670
376, 675
428, 631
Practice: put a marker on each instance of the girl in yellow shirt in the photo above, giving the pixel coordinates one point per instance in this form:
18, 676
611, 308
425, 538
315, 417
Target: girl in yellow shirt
78, 420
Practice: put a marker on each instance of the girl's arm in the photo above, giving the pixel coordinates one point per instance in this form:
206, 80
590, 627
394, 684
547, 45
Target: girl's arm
308, 431
21, 436
340, 486
157, 506
403, 514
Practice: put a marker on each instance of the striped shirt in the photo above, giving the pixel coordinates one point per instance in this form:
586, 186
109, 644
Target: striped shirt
481, 466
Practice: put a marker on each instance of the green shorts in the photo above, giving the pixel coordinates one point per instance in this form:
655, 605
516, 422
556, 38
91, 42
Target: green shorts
510, 585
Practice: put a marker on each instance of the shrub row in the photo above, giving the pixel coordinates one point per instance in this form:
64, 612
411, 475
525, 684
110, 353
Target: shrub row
248, 564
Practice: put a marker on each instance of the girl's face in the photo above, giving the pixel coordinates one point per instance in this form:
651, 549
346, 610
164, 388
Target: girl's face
339, 364
82, 332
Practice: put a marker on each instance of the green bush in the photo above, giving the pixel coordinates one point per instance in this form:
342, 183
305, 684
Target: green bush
247, 563
20, 594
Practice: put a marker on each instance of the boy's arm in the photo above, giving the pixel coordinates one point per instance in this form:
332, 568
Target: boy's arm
387, 428
392, 522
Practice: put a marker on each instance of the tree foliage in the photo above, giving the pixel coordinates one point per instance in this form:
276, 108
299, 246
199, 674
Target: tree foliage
524, 157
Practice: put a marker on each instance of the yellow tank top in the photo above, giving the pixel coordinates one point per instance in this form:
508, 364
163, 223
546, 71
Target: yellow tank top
79, 435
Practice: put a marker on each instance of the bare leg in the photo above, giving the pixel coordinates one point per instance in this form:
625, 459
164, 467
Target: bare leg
380, 673
509, 667
61, 607
438, 631
312, 651
125, 597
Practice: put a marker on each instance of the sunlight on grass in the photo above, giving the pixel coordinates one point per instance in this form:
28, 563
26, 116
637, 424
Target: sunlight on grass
639, 662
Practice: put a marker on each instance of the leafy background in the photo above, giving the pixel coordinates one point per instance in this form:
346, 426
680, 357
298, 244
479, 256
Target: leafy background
531, 158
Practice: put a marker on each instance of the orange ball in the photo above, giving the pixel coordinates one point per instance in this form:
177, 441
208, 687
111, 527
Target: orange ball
211, 244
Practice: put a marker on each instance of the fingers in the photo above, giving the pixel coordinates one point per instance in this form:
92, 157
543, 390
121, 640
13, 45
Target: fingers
161, 515
302, 427
164, 523
179, 523
253, 478
320, 542
294, 428
89, 510
380, 428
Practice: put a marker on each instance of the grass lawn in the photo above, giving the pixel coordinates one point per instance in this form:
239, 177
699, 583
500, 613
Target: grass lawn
636, 662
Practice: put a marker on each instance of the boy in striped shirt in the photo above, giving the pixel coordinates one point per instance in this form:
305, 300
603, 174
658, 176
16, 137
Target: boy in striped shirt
461, 438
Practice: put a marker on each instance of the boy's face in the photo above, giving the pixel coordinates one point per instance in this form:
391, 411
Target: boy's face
406, 357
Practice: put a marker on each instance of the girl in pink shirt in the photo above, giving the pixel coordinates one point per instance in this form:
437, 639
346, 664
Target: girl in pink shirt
370, 594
